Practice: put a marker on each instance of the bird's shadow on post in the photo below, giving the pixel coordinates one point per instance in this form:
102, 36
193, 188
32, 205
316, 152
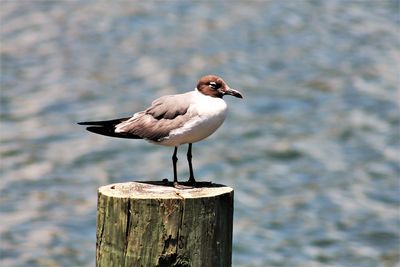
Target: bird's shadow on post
167, 183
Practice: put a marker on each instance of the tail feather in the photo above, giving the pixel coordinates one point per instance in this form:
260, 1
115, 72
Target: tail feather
107, 128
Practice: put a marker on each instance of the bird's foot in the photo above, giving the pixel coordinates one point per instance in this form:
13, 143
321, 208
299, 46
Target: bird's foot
180, 186
191, 182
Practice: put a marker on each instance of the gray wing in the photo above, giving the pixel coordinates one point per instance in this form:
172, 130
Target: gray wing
164, 115
169, 107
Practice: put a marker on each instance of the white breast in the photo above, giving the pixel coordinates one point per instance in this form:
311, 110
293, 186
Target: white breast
211, 113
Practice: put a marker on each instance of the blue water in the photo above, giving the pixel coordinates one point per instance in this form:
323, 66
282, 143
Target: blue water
312, 151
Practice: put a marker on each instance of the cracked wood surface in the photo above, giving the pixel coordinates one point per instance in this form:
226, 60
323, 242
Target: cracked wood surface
155, 224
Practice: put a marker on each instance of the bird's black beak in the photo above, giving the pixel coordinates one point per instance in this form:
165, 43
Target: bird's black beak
233, 92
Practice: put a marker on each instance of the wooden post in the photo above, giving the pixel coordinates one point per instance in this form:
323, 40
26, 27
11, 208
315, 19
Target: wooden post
151, 224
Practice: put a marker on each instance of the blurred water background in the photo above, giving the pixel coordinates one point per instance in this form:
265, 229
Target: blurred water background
312, 151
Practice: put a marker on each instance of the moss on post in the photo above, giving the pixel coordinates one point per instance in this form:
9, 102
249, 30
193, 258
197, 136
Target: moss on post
150, 224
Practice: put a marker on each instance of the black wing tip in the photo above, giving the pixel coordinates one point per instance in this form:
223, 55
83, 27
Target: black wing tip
104, 123
110, 132
107, 128
98, 130
102, 130
99, 123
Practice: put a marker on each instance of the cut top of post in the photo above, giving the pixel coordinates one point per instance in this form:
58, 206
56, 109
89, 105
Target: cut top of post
157, 190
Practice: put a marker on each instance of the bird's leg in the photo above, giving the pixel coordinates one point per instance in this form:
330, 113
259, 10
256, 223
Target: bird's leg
189, 158
174, 160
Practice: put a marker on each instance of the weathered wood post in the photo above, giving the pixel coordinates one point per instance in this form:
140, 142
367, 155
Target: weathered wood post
142, 224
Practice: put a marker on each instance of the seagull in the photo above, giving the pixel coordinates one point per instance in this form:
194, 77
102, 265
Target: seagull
174, 120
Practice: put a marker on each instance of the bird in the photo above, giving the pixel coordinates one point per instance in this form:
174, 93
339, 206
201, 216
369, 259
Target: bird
175, 120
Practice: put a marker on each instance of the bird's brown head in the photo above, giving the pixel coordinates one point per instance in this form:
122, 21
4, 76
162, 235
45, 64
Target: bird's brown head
214, 86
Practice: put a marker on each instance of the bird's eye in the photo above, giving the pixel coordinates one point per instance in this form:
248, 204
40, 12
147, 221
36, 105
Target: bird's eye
213, 85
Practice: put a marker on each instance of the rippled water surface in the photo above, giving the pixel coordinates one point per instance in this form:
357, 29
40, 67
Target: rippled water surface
312, 151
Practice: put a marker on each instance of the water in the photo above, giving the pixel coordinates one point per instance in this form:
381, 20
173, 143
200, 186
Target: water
312, 151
